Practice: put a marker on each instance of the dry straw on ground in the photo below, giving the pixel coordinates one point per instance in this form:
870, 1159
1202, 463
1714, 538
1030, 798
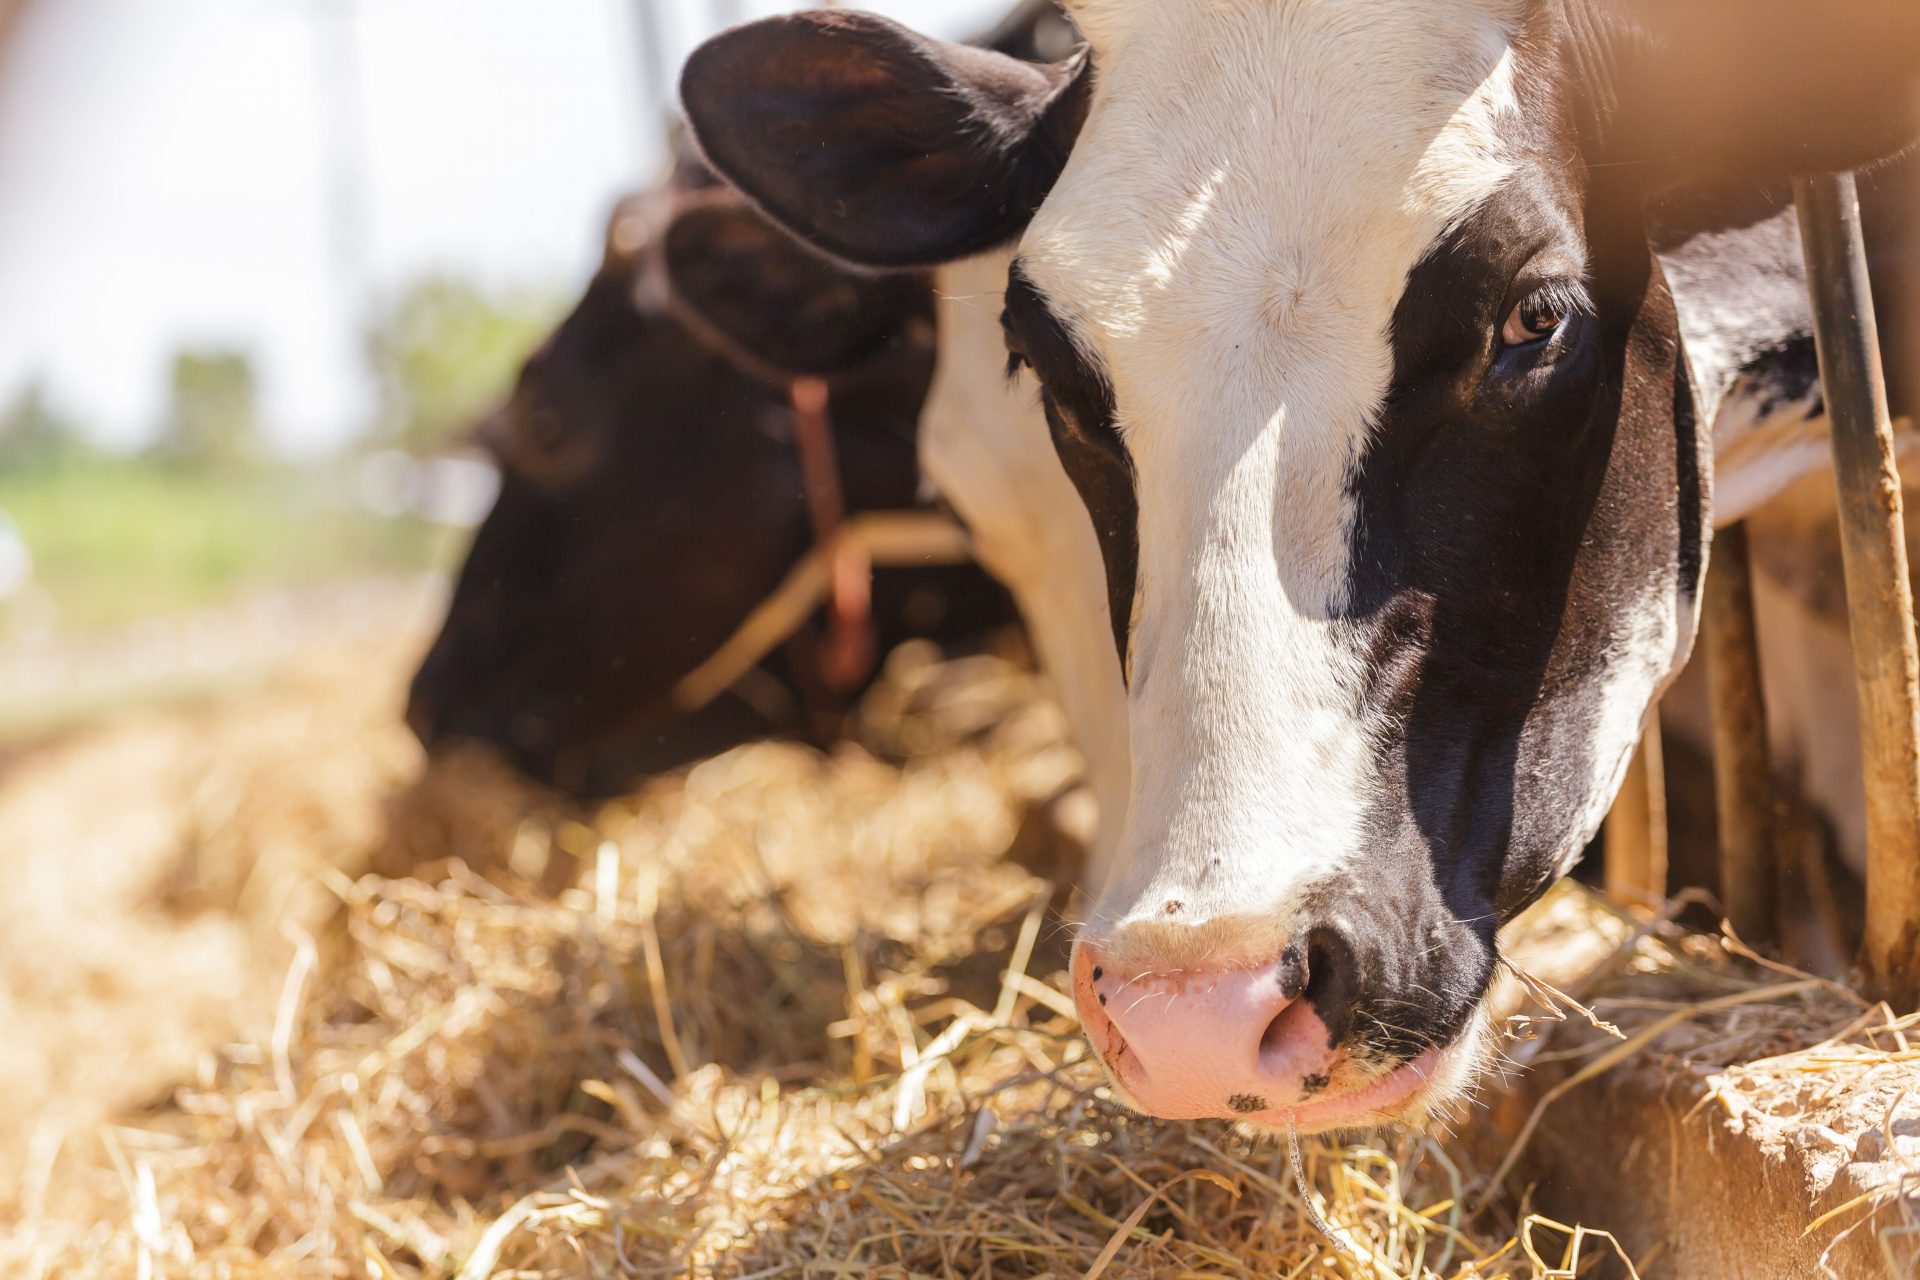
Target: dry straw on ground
787, 1016
762, 1021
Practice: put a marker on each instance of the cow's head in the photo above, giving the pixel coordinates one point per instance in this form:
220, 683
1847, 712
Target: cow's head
1350, 336
651, 494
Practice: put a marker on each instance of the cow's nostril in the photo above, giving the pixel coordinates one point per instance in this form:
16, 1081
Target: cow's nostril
1293, 968
1331, 987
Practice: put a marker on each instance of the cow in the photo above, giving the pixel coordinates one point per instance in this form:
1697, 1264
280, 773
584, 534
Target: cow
1354, 328
558, 652
652, 496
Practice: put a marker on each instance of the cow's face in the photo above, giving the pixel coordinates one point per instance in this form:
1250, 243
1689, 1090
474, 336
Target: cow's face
1344, 374
1351, 339
651, 494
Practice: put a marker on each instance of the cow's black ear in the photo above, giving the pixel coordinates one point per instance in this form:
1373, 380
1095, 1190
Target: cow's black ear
777, 305
878, 145
1763, 88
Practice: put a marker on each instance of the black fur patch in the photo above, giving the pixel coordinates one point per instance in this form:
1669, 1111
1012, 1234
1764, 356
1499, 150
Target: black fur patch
1080, 413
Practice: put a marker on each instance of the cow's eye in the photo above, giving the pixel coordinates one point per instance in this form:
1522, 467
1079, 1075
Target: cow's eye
1017, 358
1538, 316
1533, 319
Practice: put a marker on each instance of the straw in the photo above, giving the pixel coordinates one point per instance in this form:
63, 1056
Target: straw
789, 1014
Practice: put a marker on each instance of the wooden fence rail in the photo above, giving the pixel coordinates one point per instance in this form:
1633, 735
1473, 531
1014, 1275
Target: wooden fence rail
1886, 656
1636, 836
1742, 770
1879, 595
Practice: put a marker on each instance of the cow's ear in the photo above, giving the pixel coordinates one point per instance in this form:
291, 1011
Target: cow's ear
878, 145
777, 305
1760, 87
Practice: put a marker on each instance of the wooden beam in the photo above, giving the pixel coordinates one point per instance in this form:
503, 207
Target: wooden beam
1636, 843
1879, 594
1742, 774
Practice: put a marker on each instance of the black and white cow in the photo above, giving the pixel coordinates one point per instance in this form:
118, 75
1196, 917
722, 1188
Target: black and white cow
1355, 337
652, 497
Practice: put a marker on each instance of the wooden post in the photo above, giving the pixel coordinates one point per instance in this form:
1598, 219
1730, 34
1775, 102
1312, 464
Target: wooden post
1879, 595
1637, 828
1742, 774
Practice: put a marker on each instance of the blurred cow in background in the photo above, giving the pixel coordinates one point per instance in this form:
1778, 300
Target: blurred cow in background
652, 496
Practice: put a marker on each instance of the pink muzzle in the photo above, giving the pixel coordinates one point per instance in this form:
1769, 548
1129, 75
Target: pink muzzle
1227, 1044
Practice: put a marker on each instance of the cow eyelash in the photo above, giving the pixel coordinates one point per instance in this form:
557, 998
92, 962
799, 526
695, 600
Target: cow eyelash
1016, 355
1567, 298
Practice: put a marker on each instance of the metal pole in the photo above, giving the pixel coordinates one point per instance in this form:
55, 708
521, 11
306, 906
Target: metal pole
1636, 843
1879, 594
341, 113
656, 77
337, 60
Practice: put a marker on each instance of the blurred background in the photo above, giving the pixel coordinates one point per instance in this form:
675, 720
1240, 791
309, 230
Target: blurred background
262, 264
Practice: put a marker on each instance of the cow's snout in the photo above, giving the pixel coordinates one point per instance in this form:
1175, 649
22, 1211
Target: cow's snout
1199, 1043
1242, 1043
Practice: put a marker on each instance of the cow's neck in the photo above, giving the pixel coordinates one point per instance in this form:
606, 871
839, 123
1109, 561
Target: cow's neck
985, 447
1734, 262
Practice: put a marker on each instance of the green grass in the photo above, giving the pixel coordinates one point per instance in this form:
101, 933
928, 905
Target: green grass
114, 540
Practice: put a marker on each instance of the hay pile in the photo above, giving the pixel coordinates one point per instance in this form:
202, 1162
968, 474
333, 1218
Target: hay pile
784, 1016
1765, 1101
147, 870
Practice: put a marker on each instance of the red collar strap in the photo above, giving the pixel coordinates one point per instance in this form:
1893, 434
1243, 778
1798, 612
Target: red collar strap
847, 657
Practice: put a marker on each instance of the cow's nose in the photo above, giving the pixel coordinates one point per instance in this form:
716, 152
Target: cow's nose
1203, 1043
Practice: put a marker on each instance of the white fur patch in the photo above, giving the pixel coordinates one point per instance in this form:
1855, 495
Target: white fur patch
1738, 293
984, 445
1229, 241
